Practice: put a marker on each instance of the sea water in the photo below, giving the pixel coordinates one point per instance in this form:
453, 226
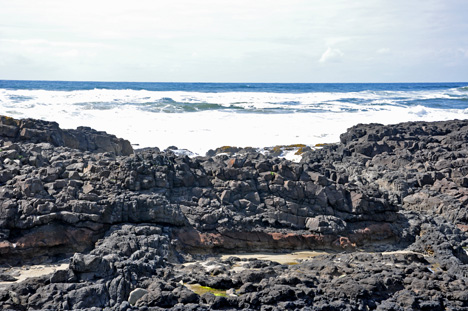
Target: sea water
203, 116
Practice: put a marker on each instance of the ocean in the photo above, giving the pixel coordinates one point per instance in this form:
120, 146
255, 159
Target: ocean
203, 116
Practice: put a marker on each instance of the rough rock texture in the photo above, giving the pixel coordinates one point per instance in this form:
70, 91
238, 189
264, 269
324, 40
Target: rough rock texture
83, 138
128, 220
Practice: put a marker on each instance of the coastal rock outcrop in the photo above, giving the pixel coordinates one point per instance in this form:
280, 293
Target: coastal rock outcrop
82, 138
388, 203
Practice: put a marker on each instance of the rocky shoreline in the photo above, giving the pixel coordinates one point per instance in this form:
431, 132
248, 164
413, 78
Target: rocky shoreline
387, 205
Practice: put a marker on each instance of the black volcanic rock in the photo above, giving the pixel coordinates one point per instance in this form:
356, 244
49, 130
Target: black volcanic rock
127, 221
82, 138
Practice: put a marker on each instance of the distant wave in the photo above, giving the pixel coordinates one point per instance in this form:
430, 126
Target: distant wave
203, 116
241, 102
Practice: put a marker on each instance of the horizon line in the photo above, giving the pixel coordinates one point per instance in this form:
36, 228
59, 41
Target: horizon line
243, 82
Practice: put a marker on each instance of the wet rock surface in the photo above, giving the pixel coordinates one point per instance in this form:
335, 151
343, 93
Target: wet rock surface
388, 202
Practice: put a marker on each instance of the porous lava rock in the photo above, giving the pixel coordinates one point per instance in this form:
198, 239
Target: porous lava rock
388, 203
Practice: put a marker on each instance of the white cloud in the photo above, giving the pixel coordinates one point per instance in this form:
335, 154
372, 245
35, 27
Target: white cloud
234, 40
69, 54
463, 52
50, 43
337, 40
383, 51
331, 55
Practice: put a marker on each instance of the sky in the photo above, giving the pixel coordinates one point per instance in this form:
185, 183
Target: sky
235, 41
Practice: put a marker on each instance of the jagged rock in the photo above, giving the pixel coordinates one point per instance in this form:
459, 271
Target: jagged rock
83, 138
127, 220
326, 224
136, 294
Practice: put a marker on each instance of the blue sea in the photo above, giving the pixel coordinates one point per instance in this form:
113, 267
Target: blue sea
202, 116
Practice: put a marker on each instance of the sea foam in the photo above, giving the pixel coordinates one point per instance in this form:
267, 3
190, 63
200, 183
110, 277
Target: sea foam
199, 121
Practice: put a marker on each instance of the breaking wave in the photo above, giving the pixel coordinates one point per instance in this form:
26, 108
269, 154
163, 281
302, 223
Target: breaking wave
203, 116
